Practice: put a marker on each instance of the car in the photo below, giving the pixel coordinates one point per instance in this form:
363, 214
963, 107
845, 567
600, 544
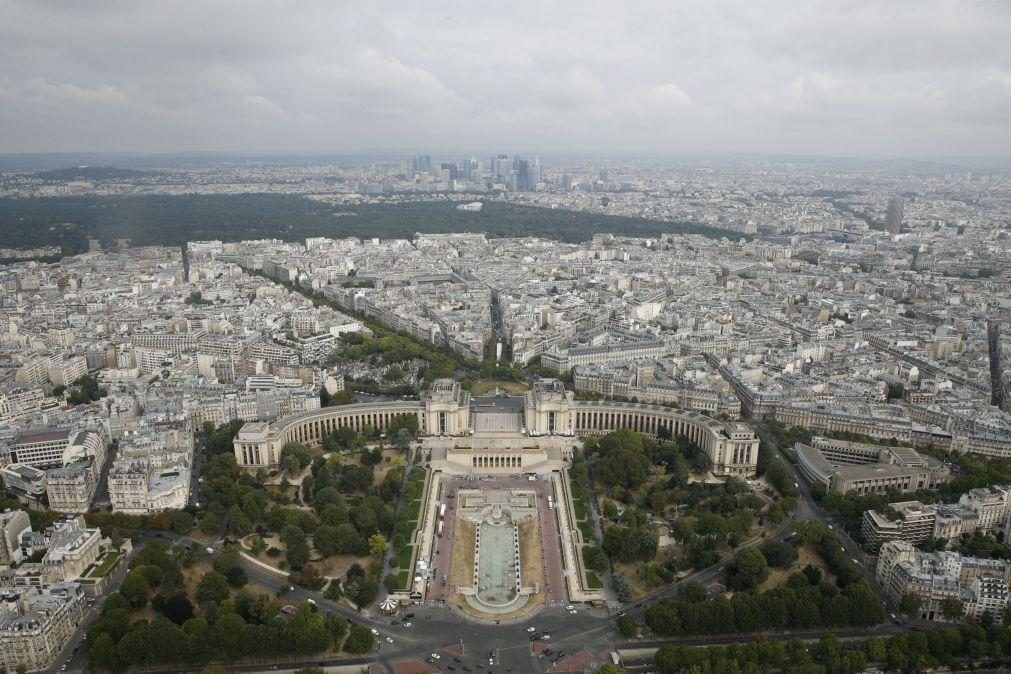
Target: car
855, 561
436, 656
831, 528
407, 624
569, 607
573, 611
545, 636
457, 660
451, 668
375, 632
394, 622
531, 629
389, 640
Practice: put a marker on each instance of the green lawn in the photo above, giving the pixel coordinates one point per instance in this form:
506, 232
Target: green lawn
579, 509
411, 510
404, 558
401, 582
104, 565
592, 581
587, 531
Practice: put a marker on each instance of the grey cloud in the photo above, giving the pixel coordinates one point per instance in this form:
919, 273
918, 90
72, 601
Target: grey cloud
829, 77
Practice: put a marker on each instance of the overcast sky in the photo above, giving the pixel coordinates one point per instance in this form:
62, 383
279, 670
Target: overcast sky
882, 79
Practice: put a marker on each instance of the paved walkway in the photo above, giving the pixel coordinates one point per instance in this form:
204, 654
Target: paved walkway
551, 562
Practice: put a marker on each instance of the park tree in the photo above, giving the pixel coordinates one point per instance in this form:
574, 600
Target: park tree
402, 440
610, 669
875, 649
626, 626
813, 574
238, 522
298, 549
377, 545
102, 653
337, 626
778, 553
368, 590
308, 632
748, 570
212, 587
209, 523
952, 608
177, 608
182, 523
325, 540
295, 456
135, 588
594, 558
359, 640
910, 604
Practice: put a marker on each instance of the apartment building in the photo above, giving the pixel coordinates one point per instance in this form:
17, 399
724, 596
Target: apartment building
71, 547
980, 584
987, 510
138, 487
36, 623
66, 372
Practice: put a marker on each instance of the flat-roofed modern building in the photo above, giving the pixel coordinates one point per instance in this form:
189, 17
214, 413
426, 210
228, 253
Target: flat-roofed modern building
42, 448
866, 468
24, 480
13, 524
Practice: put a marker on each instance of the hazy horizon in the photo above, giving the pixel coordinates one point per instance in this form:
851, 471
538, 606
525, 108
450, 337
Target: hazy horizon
898, 80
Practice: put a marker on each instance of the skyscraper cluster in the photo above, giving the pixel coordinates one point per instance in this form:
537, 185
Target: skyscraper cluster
514, 174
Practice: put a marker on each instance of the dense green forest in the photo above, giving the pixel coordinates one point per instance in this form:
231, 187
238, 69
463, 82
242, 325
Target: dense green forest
174, 220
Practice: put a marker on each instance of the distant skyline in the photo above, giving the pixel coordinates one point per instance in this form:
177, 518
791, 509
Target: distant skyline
839, 79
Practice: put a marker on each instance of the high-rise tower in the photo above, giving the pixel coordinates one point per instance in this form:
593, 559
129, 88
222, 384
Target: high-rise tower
893, 216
